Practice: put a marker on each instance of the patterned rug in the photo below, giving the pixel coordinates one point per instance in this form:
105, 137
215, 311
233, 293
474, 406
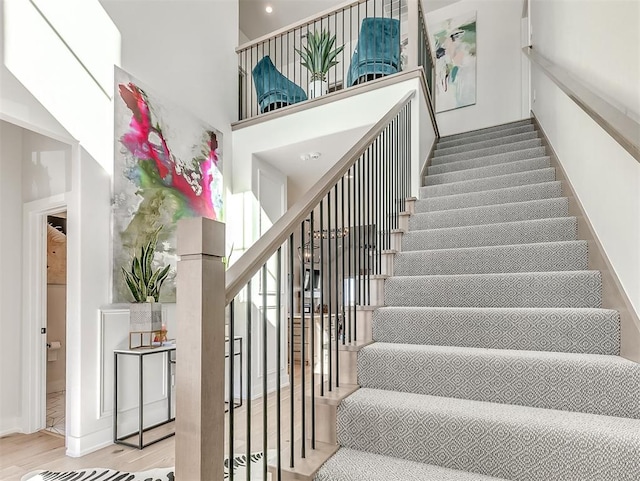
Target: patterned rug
161, 474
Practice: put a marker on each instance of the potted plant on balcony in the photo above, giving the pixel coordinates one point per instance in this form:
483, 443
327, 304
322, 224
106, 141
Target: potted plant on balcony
318, 56
144, 282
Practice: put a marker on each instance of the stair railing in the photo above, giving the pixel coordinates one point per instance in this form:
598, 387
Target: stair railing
283, 79
292, 298
622, 128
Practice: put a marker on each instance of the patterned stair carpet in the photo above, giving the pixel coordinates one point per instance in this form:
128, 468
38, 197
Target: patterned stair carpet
493, 357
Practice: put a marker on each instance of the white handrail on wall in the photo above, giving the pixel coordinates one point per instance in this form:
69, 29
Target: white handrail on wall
622, 128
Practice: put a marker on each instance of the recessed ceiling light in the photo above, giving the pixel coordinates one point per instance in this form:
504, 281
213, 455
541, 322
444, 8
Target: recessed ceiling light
269, 9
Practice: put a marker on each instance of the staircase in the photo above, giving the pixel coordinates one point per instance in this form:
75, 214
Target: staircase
493, 358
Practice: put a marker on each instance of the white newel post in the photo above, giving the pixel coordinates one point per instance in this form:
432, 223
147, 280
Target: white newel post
200, 351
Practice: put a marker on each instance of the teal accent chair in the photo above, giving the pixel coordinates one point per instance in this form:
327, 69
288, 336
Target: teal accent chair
274, 90
378, 50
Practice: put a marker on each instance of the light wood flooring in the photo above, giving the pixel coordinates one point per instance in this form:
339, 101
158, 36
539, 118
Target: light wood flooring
21, 454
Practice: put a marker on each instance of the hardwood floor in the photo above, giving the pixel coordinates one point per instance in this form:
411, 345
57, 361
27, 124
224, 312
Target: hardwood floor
21, 454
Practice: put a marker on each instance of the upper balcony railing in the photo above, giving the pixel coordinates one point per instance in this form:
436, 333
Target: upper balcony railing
338, 49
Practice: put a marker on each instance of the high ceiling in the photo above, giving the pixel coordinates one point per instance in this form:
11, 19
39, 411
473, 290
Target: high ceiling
256, 22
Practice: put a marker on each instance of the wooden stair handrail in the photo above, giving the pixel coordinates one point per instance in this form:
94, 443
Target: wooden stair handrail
622, 128
241, 272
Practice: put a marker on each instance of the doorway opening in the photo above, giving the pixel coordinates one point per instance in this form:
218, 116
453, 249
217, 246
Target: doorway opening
56, 322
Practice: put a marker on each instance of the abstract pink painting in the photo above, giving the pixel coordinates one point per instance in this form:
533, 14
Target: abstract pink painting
168, 166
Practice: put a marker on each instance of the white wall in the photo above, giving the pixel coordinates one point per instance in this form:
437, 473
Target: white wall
598, 41
46, 167
10, 282
499, 58
65, 76
605, 177
331, 118
88, 281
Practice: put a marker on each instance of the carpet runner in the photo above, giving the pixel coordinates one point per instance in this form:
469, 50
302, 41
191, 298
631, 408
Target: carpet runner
493, 357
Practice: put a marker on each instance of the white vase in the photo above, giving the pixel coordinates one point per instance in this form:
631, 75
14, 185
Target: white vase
317, 88
145, 316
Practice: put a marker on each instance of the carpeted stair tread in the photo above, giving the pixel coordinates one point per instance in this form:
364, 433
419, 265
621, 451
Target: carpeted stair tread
481, 144
351, 465
531, 289
588, 331
507, 150
540, 257
588, 383
443, 143
507, 441
537, 176
506, 233
522, 193
472, 162
504, 168
491, 214
486, 130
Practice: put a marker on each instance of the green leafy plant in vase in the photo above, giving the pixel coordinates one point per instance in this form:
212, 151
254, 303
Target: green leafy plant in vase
318, 56
145, 282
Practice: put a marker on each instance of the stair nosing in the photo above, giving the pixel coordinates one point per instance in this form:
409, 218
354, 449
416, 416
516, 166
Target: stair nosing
545, 157
480, 142
440, 212
538, 139
497, 191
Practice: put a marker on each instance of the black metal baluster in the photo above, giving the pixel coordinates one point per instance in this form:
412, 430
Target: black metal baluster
231, 386
329, 288
291, 356
348, 176
400, 160
367, 206
264, 372
249, 401
322, 288
363, 202
252, 66
312, 327
343, 80
248, 80
375, 207
352, 253
337, 320
389, 177
278, 362
408, 143
342, 270
303, 352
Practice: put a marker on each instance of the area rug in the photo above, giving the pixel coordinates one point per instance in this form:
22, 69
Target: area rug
161, 474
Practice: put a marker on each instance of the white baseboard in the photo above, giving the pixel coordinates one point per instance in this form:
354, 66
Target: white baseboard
127, 422
81, 446
10, 426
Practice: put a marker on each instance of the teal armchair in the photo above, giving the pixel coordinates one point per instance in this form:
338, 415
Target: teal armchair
273, 89
378, 51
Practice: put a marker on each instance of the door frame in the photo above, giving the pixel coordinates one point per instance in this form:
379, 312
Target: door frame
34, 308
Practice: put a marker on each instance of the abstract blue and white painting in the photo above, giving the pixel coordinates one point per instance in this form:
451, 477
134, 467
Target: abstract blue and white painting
454, 42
